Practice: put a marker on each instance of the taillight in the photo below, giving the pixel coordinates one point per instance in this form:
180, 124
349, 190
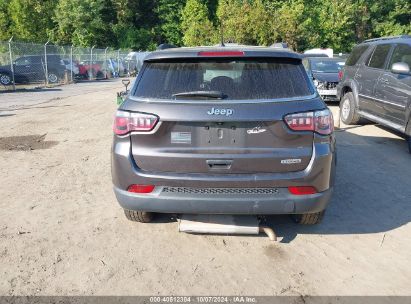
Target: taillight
340, 75
140, 188
302, 190
319, 121
126, 122
220, 53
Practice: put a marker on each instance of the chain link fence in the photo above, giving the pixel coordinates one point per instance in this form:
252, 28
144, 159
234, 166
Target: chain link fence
27, 65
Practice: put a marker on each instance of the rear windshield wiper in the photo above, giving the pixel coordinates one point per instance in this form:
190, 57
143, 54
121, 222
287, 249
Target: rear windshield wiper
201, 94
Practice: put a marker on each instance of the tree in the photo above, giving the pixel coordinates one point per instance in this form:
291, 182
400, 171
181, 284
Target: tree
255, 26
392, 18
291, 22
197, 27
169, 14
5, 20
136, 23
84, 23
31, 20
331, 24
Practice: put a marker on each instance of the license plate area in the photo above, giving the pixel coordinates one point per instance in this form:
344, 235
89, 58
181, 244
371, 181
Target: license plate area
222, 134
331, 92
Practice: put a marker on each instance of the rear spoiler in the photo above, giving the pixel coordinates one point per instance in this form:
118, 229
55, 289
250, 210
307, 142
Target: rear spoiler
227, 53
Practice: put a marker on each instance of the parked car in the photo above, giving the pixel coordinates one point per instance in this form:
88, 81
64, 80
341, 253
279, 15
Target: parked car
324, 73
376, 84
319, 52
71, 67
32, 68
134, 61
116, 67
223, 130
93, 69
314, 55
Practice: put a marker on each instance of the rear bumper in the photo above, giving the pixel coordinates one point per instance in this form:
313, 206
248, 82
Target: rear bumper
320, 173
279, 203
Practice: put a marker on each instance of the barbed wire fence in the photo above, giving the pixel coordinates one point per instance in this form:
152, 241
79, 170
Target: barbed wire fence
28, 65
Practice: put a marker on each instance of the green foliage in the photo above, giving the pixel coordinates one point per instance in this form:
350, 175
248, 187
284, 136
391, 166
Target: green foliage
197, 27
135, 27
84, 23
255, 26
169, 14
393, 17
5, 20
30, 20
143, 24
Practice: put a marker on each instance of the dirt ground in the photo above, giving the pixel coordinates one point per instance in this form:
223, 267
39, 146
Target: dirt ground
63, 233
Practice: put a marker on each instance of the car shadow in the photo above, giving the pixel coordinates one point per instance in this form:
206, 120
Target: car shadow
372, 192
34, 90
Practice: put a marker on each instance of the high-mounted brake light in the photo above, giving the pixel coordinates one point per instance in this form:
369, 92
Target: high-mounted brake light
220, 53
320, 122
140, 188
126, 122
302, 190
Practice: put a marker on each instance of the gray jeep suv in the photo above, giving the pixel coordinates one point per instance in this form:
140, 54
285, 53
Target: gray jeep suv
218, 130
376, 84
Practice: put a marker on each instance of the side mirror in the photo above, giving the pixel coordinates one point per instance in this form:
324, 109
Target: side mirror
400, 68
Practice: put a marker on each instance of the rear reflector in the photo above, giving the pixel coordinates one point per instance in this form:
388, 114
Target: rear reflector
302, 190
319, 121
140, 188
222, 53
126, 122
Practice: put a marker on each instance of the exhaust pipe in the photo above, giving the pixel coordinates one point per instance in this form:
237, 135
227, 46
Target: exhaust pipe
269, 232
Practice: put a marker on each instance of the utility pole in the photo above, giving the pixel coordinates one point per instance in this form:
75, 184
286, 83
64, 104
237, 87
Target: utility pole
90, 69
45, 62
105, 63
11, 63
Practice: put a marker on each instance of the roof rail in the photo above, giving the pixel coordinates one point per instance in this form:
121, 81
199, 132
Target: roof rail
387, 38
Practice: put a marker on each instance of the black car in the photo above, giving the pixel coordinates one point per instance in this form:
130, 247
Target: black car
223, 130
324, 72
376, 84
32, 68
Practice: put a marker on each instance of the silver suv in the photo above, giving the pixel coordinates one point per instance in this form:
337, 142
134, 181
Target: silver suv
376, 84
218, 130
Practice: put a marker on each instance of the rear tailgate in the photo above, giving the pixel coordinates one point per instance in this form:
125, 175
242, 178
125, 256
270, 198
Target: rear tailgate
243, 132
188, 140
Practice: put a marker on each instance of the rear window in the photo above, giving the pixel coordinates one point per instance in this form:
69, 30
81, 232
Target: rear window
356, 54
236, 79
326, 66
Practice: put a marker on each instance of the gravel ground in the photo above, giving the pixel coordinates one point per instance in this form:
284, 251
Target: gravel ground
63, 233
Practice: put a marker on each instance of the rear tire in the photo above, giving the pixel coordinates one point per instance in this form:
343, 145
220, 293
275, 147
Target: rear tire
138, 216
348, 111
309, 218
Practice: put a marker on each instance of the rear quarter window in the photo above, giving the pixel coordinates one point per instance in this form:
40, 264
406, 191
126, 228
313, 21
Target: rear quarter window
356, 55
238, 79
